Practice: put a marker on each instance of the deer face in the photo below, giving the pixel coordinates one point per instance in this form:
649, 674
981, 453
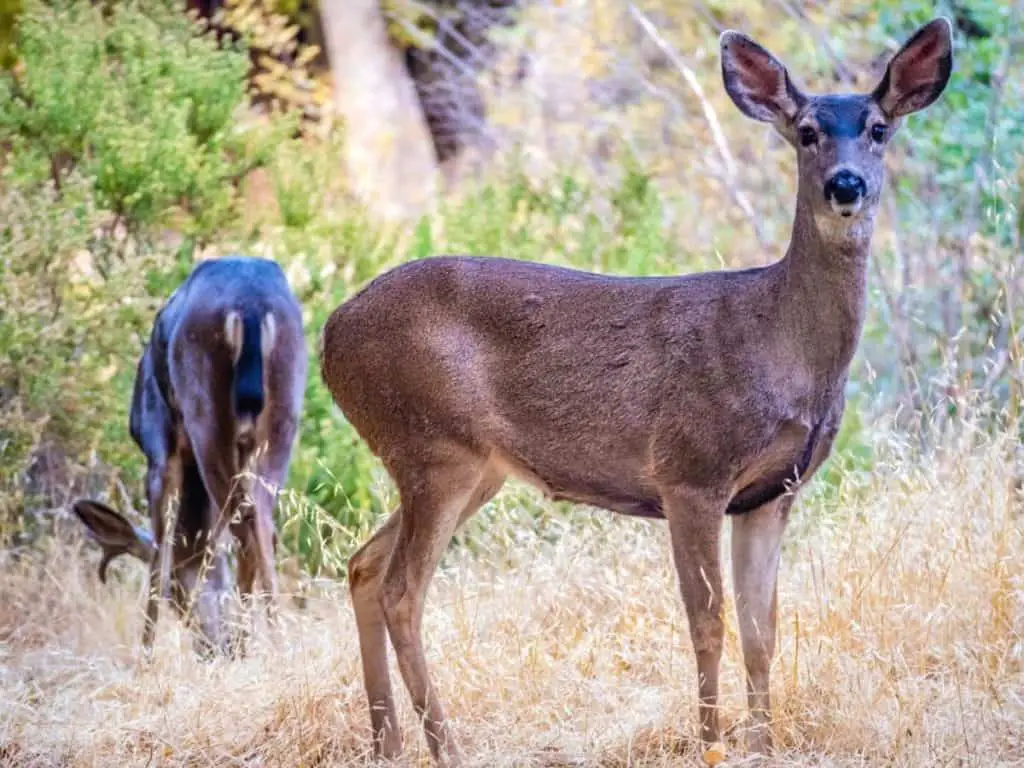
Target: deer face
840, 140
208, 588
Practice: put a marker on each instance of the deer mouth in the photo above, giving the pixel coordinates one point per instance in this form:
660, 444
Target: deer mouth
847, 210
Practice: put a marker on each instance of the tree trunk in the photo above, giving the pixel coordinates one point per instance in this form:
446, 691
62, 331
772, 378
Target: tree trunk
389, 155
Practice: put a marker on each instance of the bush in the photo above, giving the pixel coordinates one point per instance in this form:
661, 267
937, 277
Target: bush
66, 335
116, 121
140, 101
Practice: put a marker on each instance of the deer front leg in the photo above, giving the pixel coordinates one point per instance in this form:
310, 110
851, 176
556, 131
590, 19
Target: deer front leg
756, 544
695, 523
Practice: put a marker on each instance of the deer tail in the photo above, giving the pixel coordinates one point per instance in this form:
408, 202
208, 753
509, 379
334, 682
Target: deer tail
251, 336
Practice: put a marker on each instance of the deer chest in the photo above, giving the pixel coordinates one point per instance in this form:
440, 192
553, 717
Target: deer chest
789, 457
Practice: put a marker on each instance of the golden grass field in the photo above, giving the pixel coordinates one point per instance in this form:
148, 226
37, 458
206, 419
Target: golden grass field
901, 644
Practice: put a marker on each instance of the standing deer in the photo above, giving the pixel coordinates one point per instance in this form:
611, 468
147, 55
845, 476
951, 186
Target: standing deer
685, 398
220, 384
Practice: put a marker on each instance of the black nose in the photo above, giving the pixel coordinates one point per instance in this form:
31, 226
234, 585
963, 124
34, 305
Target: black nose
845, 187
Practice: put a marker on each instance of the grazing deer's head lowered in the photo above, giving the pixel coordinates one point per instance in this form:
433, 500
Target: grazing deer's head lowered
685, 398
218, 391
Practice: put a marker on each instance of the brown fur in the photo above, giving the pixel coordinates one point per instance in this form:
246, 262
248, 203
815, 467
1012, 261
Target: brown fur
676, 397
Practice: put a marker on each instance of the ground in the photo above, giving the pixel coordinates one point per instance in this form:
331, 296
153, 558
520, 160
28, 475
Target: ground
559, 640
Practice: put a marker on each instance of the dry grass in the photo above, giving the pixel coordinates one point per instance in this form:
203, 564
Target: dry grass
902, 615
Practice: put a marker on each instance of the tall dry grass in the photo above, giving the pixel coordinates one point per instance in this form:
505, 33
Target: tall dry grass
562, 642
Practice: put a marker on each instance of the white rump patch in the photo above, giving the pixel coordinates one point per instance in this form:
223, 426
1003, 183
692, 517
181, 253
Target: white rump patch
268, 335
233, 334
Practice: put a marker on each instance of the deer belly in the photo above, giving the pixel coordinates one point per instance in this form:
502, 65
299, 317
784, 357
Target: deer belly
777, 470
592, 489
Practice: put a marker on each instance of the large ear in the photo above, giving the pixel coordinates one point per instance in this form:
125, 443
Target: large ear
919, 71
757, 82
115, 535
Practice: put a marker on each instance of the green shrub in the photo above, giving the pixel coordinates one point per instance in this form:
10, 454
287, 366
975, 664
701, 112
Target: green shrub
117, 120
67, 336
139, 100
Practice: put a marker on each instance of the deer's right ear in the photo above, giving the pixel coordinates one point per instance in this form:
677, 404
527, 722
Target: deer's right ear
115, 535
757, 82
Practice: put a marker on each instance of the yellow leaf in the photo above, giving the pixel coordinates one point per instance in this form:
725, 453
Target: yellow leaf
105, 374
263, 81
306, 55
714, 754
272, 65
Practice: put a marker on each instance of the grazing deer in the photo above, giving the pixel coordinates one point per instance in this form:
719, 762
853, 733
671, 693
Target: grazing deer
685, 398
220, 383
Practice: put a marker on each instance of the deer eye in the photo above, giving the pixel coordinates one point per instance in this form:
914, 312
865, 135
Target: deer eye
808, 136
878, 132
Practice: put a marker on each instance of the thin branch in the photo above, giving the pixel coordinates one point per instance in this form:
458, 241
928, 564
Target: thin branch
845, 75
691, 79
710, 117
428, 42
126, 497
982, 169
1002, 361
443, 24
55, 174
709, 17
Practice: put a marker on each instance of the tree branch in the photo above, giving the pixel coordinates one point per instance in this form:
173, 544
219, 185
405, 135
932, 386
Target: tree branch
729, 175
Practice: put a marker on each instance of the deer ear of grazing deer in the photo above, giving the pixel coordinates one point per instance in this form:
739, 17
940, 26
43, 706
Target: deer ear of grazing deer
114, 534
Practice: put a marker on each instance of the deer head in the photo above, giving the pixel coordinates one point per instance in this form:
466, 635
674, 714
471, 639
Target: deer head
116, 536
839, 139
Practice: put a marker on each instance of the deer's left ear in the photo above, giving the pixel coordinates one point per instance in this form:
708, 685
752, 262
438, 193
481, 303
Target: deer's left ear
918, 73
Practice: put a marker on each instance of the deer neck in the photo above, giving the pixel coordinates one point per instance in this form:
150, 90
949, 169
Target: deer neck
824, 285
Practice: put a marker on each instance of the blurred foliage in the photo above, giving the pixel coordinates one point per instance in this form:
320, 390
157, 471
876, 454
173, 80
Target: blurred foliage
417, 23
605, 161
140, 101
9, 12
959, 198
282, 71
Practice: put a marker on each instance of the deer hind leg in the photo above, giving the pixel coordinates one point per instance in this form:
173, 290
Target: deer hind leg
756, 544
247, 571
162, 478
219, 471
365, 569
257, 576
365, 572
436, 498
256, 558
265, 542
695, 524
271, 472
